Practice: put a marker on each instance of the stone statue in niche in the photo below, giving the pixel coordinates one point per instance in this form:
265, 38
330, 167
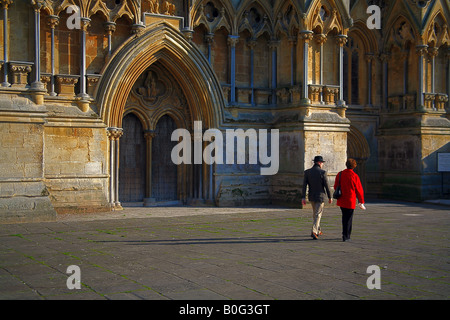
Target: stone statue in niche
165, 8
168, 8
154, 6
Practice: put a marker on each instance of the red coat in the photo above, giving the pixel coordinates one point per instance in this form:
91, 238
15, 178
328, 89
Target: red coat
351, 189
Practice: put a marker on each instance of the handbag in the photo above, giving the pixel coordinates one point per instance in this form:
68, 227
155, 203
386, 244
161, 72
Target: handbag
338, 192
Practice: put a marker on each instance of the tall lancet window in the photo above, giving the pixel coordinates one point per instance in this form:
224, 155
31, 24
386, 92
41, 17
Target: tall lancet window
352, 72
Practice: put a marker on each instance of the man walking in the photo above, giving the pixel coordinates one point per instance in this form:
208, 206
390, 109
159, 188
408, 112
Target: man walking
317, 180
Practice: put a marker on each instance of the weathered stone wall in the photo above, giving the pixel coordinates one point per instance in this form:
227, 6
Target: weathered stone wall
286, 186
400, 165
408, 149
241, 184
76, 168
23, 193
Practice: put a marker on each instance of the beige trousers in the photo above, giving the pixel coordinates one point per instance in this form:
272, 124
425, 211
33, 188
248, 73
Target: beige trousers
317, 215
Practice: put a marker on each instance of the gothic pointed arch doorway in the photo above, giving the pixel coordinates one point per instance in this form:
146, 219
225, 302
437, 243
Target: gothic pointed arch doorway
164, 48
155, 108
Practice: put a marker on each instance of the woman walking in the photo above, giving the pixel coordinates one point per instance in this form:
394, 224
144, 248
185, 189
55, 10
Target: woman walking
351, 189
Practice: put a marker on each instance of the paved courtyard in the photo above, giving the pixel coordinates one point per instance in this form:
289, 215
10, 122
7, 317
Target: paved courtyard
201, 253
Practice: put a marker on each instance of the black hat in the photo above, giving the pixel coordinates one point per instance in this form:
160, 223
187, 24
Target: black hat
318, 159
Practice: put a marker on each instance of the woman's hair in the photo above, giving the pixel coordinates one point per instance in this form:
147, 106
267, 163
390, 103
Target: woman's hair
351, 163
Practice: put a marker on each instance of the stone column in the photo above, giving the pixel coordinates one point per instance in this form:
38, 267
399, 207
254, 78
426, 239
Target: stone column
211, 190
85, 22
209, 39
341, 40
432, 53
251, 44
447, 55
293, 46
110, 27
273, 46
307, 36
421, 51
384, 57
369, 58
205, 176
321, 39
232, 41
37, 84
53, 21
114, 135
5, 4
148, 200
404, 56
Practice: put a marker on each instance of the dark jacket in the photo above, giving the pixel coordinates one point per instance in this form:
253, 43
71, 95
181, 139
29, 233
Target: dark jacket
317, 180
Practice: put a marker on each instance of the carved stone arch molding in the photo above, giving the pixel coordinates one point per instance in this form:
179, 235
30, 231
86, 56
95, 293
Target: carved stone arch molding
256, 18
287, 19
437, 32
142, 116
156, 93
358, 149
325, 16
400, 29
214, 15
111, 10
180, 58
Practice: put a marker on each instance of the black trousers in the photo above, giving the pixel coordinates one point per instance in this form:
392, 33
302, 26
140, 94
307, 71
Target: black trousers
347, 218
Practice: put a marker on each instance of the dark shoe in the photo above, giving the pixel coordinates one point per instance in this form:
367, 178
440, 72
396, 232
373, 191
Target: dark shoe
314, 236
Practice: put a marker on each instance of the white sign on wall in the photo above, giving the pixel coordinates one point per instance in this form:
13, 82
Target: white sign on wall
443, 162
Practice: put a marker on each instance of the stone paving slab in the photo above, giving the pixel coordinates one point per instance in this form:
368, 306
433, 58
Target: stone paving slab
204, 253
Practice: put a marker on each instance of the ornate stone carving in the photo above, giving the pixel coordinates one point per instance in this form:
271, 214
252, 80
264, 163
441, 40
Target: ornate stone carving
46, 80
212, 18
92, 81
320, 38
5, 3
421, 3
152, 88
341, 40
331, 93
165, 7
19, 71
283, 95
429, 100
296, 94
65, 85
114, 133
149, 134
440, 102
314, 92
52, 21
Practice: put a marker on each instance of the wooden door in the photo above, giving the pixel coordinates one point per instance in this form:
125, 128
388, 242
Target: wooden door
164, 171
132, 161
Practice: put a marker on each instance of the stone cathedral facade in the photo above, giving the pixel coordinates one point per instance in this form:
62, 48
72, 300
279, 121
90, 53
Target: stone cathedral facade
91, 91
